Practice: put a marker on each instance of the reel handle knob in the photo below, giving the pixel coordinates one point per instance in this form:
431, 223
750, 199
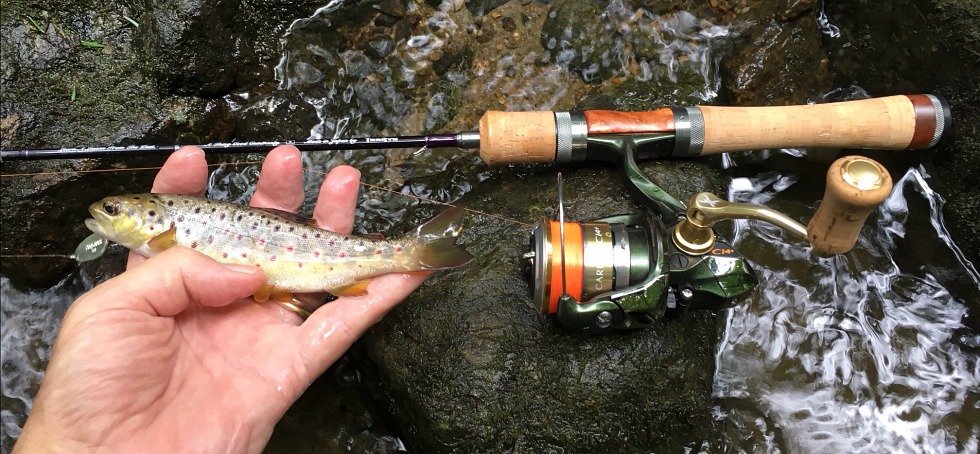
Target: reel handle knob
856, 185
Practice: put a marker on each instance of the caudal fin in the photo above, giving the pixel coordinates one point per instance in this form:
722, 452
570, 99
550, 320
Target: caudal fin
438, 237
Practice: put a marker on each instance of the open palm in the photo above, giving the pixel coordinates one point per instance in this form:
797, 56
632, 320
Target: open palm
173, 355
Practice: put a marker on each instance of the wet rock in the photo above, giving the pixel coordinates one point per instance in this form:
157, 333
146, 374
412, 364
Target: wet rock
380, 47
481, 7
394, 8
767, 60
386, 20
472, 367
279, 117
573, 37
485, 31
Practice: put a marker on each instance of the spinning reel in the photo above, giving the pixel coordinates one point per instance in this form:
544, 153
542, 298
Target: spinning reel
626, 271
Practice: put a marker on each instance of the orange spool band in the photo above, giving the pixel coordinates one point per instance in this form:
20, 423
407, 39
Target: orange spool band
574, 245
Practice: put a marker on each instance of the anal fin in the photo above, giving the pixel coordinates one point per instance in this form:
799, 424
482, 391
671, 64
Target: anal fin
268, 292
356, 289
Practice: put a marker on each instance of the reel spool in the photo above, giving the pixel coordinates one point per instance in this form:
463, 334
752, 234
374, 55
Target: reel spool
599, 257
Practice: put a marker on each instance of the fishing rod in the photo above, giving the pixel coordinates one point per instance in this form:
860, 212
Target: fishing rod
898, 122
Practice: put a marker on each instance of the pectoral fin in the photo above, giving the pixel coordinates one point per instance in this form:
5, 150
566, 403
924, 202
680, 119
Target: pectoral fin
356, 289
163, 241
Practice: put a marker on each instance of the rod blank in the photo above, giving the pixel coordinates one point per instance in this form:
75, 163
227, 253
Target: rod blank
353, 143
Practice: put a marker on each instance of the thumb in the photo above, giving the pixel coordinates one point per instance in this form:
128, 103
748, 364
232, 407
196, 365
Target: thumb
168, 283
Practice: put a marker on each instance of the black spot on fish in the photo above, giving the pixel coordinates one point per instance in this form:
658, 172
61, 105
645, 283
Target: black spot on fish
238, 218
276, 228
152, 213
291, 228
187, 231
194, 245
317, 235
222, 217
170, 203
197, 210
304, 236
136, 198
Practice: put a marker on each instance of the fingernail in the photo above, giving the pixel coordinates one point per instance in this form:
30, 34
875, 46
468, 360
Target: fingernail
244, 269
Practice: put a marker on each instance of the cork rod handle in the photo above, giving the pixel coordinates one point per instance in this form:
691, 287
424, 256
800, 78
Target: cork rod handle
890, 123
855, 187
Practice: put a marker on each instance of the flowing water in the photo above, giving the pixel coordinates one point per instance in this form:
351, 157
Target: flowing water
865, 352
853, 353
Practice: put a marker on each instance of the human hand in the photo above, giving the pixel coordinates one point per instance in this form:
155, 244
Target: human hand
172, 356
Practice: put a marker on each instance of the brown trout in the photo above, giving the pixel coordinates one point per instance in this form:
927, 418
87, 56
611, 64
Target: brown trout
297, 257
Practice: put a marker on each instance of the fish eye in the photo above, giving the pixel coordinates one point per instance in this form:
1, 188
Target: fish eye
109, 208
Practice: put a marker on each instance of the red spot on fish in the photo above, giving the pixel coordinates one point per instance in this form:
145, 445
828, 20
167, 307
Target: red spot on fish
289, 249
225, 255
316, 253
151, 228
377, 252
261, 241
244, 255
272, 258
398, 249
210, 239
258, 265
194, 245
360, 266
238, 237
300, 265
342, 255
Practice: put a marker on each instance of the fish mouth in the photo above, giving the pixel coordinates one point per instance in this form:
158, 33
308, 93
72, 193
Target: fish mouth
94, 226
100, 219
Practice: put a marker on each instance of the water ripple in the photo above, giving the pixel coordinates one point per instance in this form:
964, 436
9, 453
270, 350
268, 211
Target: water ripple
876, 347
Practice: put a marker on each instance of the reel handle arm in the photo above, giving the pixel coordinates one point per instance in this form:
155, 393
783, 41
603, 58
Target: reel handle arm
855, 187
